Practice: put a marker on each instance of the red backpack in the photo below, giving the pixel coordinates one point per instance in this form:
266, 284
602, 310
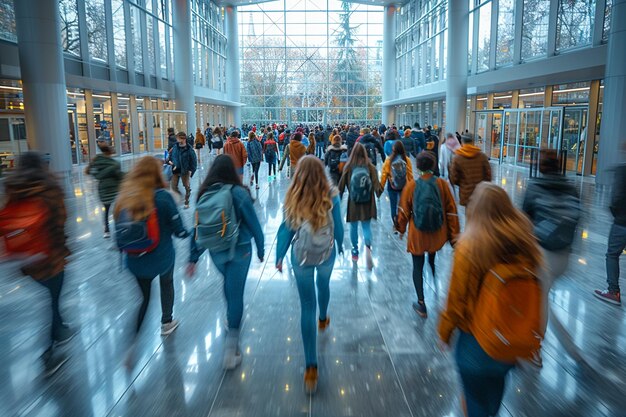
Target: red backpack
23, 228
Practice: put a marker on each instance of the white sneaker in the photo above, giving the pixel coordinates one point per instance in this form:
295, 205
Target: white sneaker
106, 235
369, 262
168, 328
232, 359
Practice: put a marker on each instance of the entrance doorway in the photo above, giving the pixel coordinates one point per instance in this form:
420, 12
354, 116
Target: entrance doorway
574, 136
12, 139
153, 125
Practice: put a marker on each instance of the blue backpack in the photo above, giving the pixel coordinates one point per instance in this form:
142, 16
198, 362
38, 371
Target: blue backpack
361, 185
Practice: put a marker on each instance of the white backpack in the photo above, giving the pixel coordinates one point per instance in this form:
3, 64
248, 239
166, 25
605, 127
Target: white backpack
314, 247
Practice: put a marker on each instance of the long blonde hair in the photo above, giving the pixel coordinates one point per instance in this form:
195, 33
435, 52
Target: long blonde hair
308, 197
137, 190
495, 231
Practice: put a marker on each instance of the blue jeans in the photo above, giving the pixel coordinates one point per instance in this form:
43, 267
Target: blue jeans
319, 150
235, 272
394, 196
616, 245
482, 377
354, 233
306, 288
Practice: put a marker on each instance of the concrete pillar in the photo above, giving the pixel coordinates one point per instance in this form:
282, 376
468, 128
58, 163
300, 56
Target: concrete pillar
134, 123
389, 64
183, 69
43, 77
233, 83
456, 83
91, 126
611, 150
115, 118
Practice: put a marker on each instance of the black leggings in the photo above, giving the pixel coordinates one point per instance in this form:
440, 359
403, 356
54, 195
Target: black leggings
166, 283
418, 272
106, 217
255, 171
54, 286
271, 166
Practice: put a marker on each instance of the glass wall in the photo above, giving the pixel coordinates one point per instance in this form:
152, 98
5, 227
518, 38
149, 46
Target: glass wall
506, 33
535, 21
209, 45
575, 23
69, 27
7, 21
312, 61
96, 30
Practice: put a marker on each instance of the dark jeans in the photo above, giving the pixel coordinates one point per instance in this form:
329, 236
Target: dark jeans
418, 272
106, 217
54, 286
271, 166
482, 377
394, 196
255, 171
616, 245
319, 150
235, 272
166, 283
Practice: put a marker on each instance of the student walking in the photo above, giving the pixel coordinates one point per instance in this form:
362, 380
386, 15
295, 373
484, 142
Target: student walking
255, 157
109, 174
224, 204
199, 143
312, 227
469, 167
270, 150
361, 179
446, 152
429, 210
494, 299
237, 150
335, 158
144, 204
34, 194
217, 140
293, 152
397, 172
184, 165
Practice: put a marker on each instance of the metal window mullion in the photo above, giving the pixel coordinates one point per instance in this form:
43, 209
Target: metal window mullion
108, 19
130, 53
517, 40
144, 48
493, 38
475, 30
83, 38
552, 23
598, 28
157, 46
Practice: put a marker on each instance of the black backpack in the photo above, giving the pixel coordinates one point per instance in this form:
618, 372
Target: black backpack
556, 220
427, 205
333, 161
371, 151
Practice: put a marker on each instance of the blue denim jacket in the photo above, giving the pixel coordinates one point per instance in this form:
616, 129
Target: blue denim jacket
286, 234
249, 226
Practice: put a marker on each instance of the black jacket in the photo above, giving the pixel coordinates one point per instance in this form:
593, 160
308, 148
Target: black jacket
410, 145
537, 187
370, 141
351, 138
171, 141
618, 199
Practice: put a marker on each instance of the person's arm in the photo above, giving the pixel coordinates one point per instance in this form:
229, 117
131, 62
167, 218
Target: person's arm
405, 206
487, 168
249, 217
343, 181
409, 170
283, 241
381, 151
285, 156
244, 155
170, 211
376, 187
455, 172
326, 158
194, 163
452, 217
384, 175
619, 191
337, 223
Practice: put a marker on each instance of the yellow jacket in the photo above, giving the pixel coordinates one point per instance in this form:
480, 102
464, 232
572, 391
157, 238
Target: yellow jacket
386, 172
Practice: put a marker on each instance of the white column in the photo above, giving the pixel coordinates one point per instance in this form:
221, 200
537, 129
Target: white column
456, 83
233, 83
43, 77
115, 118
612, 146
389, 63
134, 123
183, 69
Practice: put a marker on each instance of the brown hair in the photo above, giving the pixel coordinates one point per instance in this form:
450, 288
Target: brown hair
358, 157
397, 149
549, 162
308, 197
336, 140
137, 190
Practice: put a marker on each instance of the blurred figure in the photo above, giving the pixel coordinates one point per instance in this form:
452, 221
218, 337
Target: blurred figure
411, 145
396, 173
237, 150
217, 141
335, 158
184, 165
33, 223
171, 138
495, 298
294, 150
371, 146
553, 205
390, 138
361, 179
617, 238
427, 206
270, 150
255, 157
109, 174
469, 167
311, 226
145, 204
225, 205
446, 152
199, 143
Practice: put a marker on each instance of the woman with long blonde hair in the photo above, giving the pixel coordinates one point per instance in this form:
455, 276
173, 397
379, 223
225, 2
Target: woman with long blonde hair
497, 236
312, 227
143, 191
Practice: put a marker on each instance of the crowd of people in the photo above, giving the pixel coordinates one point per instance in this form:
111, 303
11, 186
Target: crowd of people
503, 264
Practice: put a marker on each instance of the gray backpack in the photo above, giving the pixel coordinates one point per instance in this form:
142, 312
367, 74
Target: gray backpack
217, 227
314, 247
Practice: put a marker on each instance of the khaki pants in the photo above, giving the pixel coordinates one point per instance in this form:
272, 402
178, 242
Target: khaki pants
174, 185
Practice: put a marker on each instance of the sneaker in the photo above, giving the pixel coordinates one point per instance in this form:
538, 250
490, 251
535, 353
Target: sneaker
107, 235
369, 262
420, 308
310, 380
168, 328
355, 255
609, 296
323, 324
186, 206
257, 186
64, 336
53, 362
232, 359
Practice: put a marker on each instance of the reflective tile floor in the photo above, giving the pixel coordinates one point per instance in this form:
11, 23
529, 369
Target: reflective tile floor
377, 359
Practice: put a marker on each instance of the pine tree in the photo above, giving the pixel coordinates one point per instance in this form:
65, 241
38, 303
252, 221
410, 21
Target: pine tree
350, 72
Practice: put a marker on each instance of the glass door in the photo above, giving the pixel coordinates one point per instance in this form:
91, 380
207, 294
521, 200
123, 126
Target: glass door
574, 136
529, 135
509, 136
489, 132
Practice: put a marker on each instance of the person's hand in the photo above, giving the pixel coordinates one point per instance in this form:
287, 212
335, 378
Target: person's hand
190, 270
279, 266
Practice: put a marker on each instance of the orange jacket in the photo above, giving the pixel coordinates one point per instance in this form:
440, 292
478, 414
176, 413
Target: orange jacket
386, 171
469, 167
419, 242
235, 148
